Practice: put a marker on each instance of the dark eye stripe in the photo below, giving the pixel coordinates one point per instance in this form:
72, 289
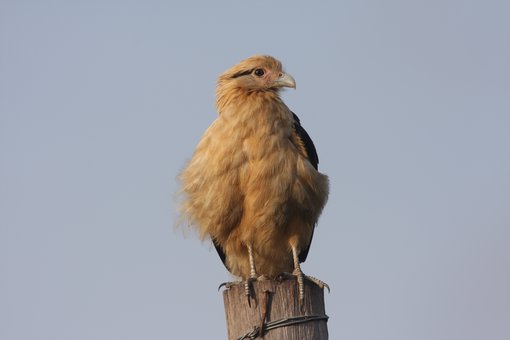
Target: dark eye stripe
242, 73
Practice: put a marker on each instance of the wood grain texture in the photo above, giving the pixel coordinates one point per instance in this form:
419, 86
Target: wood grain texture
276, 300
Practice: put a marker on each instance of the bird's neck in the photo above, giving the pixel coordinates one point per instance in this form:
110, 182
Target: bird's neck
230, 97
260, 113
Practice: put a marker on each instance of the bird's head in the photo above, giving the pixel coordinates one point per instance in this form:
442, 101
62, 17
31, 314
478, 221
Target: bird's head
257, 73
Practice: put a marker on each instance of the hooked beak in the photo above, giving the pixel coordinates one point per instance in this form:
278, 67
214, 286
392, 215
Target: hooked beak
285, 80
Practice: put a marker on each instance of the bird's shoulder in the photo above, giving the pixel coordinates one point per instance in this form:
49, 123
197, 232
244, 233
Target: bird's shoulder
304, 142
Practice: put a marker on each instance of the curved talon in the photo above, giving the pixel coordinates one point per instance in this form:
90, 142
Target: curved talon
221, 285
227, 285
327, 286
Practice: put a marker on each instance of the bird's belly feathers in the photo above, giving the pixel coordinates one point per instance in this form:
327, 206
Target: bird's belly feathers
283, 197
254, 189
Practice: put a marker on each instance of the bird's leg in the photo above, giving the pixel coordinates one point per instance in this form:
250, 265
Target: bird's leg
300, 276
253, 275
253, 269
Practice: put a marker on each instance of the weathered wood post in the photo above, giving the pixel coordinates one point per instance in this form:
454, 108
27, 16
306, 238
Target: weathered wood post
276, 311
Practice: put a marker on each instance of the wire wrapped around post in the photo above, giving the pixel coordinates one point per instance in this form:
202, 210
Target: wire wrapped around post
276, 312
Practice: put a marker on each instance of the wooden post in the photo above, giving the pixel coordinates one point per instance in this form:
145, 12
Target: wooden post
276, 307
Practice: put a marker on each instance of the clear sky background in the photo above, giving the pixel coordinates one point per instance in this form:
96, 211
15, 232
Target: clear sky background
102, 103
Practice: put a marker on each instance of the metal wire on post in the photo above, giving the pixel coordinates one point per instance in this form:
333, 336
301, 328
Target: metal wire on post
283, 323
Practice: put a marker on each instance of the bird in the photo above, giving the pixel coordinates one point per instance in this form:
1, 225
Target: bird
252, 184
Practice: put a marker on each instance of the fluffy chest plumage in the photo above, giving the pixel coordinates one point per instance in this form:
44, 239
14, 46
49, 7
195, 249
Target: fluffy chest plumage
261, 138
250, 183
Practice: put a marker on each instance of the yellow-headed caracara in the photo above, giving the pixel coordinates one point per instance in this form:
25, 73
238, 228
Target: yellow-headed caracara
252, 184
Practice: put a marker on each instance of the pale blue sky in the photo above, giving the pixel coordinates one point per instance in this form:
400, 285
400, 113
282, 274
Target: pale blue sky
102, 102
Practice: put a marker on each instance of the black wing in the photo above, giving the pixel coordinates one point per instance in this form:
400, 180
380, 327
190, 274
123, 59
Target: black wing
307, 142
221, 253
314, 159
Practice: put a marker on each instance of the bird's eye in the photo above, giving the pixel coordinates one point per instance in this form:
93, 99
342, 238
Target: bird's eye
259, 72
